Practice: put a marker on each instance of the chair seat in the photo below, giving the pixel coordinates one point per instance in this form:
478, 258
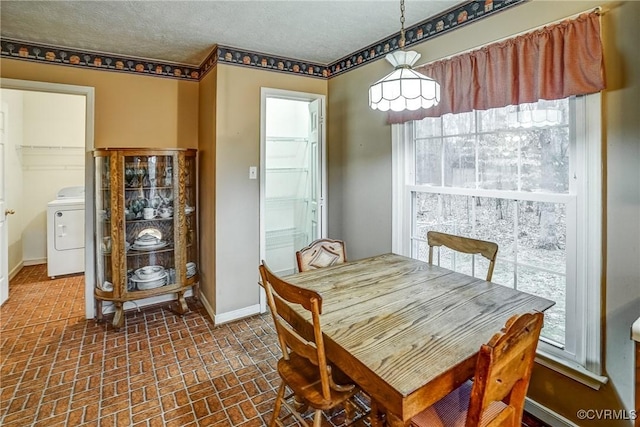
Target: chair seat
451, 410
304, 379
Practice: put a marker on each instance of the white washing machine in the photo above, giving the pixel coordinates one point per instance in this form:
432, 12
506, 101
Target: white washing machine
65, 232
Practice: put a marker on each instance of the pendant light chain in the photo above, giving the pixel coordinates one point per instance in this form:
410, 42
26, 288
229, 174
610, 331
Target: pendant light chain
402, 39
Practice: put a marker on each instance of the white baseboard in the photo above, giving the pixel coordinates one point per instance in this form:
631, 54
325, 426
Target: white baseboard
207, 307
34, 261
16, 270
230, 316
546, 415
108, 307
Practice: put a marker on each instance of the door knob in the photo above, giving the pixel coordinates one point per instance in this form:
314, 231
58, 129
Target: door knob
9, 212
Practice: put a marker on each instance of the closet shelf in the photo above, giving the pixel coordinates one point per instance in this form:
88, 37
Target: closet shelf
287, 139
285, 201
48, 147
284, 237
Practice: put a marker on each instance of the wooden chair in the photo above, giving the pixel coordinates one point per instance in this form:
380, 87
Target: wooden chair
503, 370
303, 366
489, 250
321, 253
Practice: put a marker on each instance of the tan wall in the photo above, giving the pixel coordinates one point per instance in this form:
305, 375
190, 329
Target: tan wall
54, 119
130, 110
207, 184
359, 152
237, 197
360, 181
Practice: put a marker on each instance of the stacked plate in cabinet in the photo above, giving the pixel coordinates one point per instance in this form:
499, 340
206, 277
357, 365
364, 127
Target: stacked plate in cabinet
191, 269
148, 242
149, 277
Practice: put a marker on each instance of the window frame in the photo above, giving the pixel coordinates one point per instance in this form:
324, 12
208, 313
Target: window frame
581, 358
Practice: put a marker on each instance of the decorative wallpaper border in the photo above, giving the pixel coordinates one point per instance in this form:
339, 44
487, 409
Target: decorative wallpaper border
247, 58
17, 49
449, 20
210, 62
430, 28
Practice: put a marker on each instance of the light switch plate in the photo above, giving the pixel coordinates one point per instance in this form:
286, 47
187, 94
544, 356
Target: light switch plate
253, 172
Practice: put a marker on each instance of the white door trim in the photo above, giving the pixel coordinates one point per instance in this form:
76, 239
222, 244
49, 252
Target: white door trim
89, 93
4, 235
301, 96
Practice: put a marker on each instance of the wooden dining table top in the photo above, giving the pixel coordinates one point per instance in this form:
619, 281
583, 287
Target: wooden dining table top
405, 331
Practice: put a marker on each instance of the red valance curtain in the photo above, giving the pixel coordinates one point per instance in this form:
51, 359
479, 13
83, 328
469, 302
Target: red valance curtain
554, 62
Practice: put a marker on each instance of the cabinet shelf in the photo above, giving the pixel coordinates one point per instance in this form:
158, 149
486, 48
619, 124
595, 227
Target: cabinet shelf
134, 252
151, 187
116, 199
137, 220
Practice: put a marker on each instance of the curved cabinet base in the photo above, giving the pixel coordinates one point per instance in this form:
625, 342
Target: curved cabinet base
178, 306
118, 317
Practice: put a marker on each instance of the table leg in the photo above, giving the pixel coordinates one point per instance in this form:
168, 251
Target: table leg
376, 416
394, 421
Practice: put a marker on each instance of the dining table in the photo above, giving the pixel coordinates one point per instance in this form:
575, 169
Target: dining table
405, 331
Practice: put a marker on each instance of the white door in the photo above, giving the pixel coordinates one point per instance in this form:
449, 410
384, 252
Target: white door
4, 244
315, 178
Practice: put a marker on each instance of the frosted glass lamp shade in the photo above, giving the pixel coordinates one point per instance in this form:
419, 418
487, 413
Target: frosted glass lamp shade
404, 88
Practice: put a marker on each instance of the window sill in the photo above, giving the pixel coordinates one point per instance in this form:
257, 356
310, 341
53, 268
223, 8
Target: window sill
572, 370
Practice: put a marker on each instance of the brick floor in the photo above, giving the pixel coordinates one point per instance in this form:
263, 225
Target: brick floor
59, 369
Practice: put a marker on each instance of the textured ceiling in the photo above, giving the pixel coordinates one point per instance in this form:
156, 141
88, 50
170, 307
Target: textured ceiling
186, 31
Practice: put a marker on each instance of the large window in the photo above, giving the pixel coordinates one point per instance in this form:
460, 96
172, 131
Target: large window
519, 176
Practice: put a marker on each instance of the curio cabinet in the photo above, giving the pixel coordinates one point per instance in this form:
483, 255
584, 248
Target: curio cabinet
146, 227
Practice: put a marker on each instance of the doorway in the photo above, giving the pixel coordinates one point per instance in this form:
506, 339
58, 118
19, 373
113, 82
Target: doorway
293, 176
45, 150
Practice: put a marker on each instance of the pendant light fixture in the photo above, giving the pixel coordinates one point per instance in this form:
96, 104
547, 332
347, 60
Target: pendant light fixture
403, 88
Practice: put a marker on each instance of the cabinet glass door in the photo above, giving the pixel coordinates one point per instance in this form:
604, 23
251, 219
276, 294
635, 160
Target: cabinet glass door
150, 232
191, 218
104, 271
